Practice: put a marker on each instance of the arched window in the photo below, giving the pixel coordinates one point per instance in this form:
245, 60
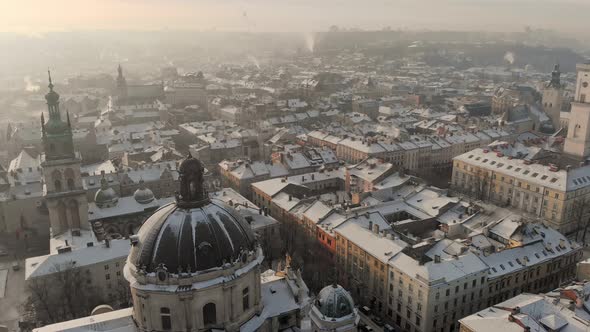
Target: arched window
61, 213
209, 314
56, 176
166, 319
57, 185
69, 175
75, 213
71, 184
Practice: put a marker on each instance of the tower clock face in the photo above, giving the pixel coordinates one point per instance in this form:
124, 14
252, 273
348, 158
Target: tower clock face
585, 84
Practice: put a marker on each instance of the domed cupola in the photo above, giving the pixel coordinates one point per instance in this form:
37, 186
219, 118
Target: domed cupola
105, 196
334, 310
335, 302
143, 195
193, 234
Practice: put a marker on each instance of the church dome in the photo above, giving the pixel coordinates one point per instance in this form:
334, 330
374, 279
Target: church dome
105, 196
143, 195
192, 234
334, 302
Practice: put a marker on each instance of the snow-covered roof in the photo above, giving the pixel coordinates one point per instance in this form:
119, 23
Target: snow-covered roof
79, 257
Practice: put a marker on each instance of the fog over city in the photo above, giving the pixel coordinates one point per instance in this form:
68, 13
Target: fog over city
298, 15
294, 166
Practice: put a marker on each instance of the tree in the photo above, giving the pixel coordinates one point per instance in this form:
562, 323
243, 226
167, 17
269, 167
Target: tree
60, 295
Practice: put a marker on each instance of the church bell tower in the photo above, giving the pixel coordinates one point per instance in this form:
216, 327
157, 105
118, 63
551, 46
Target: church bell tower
62, 190
553, 98
121, 84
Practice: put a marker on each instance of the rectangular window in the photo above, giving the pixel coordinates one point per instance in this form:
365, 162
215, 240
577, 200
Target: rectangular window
245, 299
166, 319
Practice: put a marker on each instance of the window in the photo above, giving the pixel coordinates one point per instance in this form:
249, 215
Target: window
245, 299
108, 277
209, 314
166, 319
70, 183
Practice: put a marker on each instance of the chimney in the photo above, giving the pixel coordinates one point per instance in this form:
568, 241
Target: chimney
67, 244
375, 228
290, 198
572, 306
370, 225
436, 259
312, 176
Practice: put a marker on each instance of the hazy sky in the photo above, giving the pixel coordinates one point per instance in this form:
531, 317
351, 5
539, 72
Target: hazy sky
37, 16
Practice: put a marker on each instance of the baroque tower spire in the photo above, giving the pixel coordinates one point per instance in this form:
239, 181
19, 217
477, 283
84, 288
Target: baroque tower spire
52, 99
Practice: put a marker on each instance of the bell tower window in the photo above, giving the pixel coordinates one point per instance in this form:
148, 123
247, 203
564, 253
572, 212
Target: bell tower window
57, 185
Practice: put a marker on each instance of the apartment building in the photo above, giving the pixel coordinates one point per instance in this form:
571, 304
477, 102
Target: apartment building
95, 265
563, 309
416, 153
421, 259
547, 192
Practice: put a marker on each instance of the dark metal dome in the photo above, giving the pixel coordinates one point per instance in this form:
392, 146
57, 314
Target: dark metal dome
143, 195
335, 302
105, 196
192, 234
